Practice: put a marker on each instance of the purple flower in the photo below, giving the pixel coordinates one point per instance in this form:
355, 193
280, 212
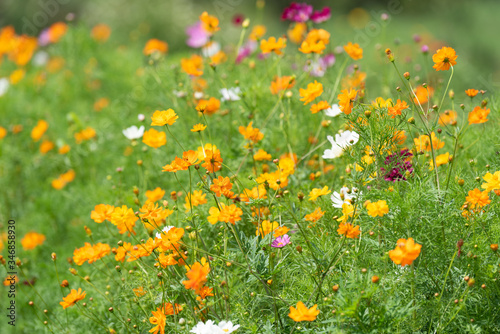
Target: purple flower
425, 49
281, 241
297, 12
398, 166
198, 37
321, 15
44, 38
246, 51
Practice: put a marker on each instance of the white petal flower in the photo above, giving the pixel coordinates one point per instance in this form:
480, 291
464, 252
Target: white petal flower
4, 85
228, 327
206, 328
210, 49
346, 138
340, 198
141, 117
133, 132
198, 95
333, 111
334, 152
231, 94
40, 58
165, 230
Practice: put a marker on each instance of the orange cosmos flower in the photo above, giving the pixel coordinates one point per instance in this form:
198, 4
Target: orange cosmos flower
396, 109
444, 58
313, 90
155, 195
222, 186
46, 146
302, 313
251, 133
282, 230
262, 155
449, 117
64, 149
17, 76
317, 192
100, 32
282, 83
176, 165
349, 230
478, 115
209, 23
346, 99
423, 94
315, 216
163, 117
378, 208
139, 292
230, 214
124, 219
86, 134
273, 45
478, 198
101, 104
192, 66
3, 132
155, 45
266, 227
423, 142
353, 50
8, 280
57, 31
321, 105
198, 128
209, 106
154, 214
315, 42
212, 161
24, 48
297, 33
102, 212
31, 240
159, 320
72, 298
197, 275
154, 138
214, 214
168, 309
218, 58
39, 130
257, 32
405, 252
471, 92
195, 199
492, 181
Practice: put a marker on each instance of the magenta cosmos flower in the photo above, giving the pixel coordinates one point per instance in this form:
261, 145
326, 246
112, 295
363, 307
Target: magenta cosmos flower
281, 241
198, 37
297, 12
321, 15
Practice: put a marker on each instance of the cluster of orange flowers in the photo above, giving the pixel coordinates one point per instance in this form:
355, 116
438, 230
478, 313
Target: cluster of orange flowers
63, 179
90, 253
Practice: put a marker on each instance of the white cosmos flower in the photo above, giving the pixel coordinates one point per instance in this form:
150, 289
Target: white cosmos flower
133, 132
228, 327
231, 94
333, 111
334, 152
198, 95
210, 49
141, 117
340, 198
40, 58
165, 230
4, 85
340, 143
208, 327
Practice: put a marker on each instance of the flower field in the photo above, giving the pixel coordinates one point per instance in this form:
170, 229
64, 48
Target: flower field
279, 181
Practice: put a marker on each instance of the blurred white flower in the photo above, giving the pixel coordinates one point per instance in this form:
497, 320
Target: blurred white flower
141, 117
210, 49
231, 94
333, 111
40, 58
180, 94
198, 95
133, 132
4, 85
